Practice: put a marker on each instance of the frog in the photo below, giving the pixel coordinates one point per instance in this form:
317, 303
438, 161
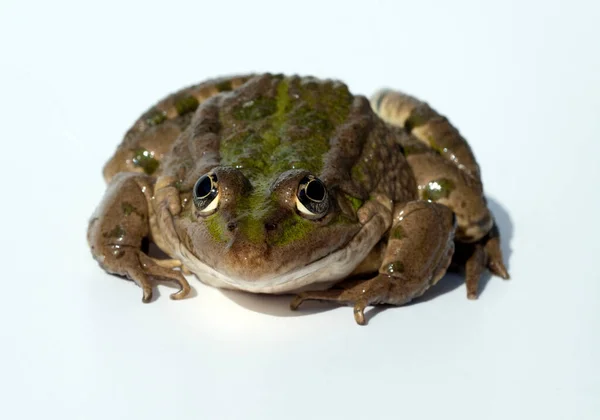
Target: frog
277, 184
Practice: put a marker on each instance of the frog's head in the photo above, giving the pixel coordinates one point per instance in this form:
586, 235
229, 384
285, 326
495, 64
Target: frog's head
261, 235
272, 203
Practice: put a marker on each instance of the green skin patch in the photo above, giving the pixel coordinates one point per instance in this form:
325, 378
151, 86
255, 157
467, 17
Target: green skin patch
395, 267
116, 232
398, 233
294, 229
224, 86
256, 109
186, 105
358, 173
438, 189
434, 145
214, 225
144, 159
129, 209
156, 117
355, 202
415, 119
275, 134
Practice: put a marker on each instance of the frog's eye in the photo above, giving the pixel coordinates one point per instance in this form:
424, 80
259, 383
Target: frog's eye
206, 194
312, 201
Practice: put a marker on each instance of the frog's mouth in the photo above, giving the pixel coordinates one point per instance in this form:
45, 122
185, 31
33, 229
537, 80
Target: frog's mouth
319, 274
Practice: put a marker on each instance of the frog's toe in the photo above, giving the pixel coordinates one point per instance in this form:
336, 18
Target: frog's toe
152, 269
495, 262
167, 263
323, 295
474, 267
359, 312
481, 257
356, 293
296, 302
141, 279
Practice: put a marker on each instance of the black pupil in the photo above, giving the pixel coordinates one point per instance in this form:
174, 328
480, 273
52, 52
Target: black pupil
203, 187
315, 190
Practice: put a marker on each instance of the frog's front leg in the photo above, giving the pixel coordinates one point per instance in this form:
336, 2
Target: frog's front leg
419, 250
116, 231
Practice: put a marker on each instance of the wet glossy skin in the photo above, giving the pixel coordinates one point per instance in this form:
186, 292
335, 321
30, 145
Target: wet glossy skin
275, 184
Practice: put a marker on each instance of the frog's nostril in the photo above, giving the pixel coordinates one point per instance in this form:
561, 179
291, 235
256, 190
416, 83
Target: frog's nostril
231, 226
270, 226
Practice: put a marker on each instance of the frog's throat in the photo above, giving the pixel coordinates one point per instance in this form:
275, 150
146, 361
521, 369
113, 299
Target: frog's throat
319, 274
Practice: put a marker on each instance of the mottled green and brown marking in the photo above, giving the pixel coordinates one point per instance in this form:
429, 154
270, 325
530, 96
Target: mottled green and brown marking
395, 267
397, 232
289, 128
418, 117
355, 202
293, 228
129, 209
117, 232
224, 86
156, 117
214, 225
438, 189
412, 150
255, 109
143, 158
186, 105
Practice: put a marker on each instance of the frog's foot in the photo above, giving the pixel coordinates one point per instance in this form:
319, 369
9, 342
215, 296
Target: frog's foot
485, 253
381, 289
140, 268
167, 263
357, 293
417, 255
116, 234
171, 264
495, 262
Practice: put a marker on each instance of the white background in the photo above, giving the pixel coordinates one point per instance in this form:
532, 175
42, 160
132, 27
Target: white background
521, 79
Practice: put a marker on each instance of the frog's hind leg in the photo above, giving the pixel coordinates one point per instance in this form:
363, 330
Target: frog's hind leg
447, 173
477, 236
153, 134
418, 253
426, 125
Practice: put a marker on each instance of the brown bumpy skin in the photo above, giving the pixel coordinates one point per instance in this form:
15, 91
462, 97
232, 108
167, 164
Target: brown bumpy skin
436, 151
123, 219
150, 138
422, 239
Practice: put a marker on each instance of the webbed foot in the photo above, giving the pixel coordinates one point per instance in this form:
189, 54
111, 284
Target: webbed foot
142, 269
477, 256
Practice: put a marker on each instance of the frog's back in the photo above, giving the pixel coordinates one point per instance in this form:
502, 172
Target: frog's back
149, 140
274, 124
268, 124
